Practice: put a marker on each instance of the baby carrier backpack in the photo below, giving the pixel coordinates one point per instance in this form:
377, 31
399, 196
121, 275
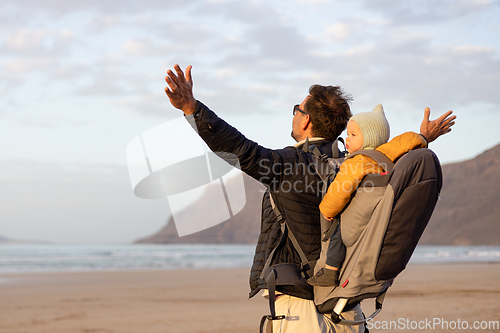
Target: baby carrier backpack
380, 228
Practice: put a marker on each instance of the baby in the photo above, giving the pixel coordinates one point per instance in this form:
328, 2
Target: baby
367, 130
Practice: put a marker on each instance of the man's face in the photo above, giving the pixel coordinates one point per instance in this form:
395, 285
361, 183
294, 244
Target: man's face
298, 121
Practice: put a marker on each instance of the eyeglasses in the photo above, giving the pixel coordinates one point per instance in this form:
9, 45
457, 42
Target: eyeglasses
296, 109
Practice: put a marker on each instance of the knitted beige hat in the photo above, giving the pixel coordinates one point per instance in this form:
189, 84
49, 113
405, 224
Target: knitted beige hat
374, 126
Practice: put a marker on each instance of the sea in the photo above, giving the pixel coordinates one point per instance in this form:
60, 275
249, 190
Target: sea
40, 258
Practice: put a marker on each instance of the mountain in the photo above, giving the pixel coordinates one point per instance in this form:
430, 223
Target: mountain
5, 240
468, 212
242, 228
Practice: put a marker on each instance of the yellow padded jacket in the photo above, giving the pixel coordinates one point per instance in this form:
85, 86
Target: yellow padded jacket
353, 170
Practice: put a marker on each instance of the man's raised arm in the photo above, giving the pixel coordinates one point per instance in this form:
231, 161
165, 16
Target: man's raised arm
263, 164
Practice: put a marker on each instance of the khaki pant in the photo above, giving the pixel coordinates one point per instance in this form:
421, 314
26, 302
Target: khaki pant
302, 317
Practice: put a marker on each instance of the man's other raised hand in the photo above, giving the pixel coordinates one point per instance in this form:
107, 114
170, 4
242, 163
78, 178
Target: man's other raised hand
433, 129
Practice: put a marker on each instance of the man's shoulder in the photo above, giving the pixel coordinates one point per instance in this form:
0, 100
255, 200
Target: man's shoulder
313, 141
306, 146
300, 154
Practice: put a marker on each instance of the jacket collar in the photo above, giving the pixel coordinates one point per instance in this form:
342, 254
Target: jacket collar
311, 140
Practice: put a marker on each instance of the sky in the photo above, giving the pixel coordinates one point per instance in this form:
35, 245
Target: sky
80, 79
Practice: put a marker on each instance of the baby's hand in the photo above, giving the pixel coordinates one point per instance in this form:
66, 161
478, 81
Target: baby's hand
327, 218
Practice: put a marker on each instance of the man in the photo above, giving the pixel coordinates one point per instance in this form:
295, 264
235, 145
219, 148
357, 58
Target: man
293, 186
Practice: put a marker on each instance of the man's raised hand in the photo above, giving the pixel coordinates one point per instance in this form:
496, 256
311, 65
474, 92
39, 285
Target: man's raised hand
180, 89
433, 129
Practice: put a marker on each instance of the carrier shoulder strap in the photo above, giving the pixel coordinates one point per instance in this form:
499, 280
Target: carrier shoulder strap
323, 164
271, 278
271, 285
315, 151
379, 157
296, 245
285, 231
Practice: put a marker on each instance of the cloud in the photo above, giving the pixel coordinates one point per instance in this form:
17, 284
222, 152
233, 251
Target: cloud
147, 104
113, 76
101, 23
385, 49
354, 30
280, 42
24, 41
339, 31
117, 70
252, 13
143, 47
189, 36
311, 2
25, 66
473, 50
69, 72
175, 38
37, 42
434, 74
29, 53
59, 8
427, 11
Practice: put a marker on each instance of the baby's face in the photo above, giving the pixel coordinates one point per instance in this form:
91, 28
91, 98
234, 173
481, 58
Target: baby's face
354, 140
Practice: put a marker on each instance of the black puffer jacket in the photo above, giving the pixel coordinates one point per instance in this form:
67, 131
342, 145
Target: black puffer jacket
288, 173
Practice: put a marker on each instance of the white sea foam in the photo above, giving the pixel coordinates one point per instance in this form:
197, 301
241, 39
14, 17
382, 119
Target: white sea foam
112, 257
458, 254
54, 257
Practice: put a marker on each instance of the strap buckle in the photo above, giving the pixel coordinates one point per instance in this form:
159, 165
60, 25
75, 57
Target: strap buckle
269, 317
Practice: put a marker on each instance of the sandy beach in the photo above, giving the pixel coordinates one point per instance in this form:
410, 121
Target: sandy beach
217, 301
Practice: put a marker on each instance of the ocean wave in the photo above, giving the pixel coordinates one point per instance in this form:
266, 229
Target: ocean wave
112, 257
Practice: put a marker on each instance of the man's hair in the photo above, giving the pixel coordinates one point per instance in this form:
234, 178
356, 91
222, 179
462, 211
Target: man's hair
329, 110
